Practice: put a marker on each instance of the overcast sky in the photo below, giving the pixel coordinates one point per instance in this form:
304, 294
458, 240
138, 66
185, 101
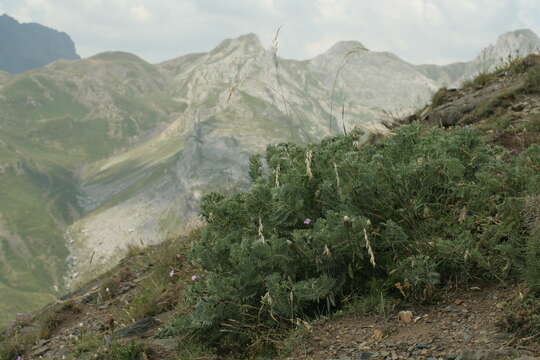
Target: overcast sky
420, 31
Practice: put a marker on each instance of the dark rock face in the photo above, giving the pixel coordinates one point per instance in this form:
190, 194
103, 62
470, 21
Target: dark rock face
28, 46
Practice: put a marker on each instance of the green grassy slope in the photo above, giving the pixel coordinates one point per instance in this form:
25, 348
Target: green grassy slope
53, 121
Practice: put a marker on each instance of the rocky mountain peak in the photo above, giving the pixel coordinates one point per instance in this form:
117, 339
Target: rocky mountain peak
249, 38
5, 18
26, 46
343, 47
247, 43
518, 34
514, 43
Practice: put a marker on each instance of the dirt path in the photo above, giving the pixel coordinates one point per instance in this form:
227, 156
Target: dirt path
463, 326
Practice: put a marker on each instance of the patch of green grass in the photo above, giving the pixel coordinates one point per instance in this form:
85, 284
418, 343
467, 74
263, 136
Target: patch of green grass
484, 110
502, 122
440, 97
17, 345
124, 351
110, 288
532, 84
296, 341
36, 198
35, 97
52, 320
376, 301
533, 123
522, 317
149, 302
14, 301
480, 80
126, 59
512, 65
26, 211
496, 105
163, 290
195, 351
88, 343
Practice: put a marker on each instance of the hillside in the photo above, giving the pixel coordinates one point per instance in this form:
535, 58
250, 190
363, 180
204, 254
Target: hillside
334, 242
30, 46
508, 46
53, 120
109, 152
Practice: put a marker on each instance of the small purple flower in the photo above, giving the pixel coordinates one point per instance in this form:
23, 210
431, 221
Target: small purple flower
307, 221
194, 277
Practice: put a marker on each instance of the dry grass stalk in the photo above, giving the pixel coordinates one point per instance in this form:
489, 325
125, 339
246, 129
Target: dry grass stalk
277, 175
345, 61
261, 235
309, 156
531, 212
369, 249
338, 186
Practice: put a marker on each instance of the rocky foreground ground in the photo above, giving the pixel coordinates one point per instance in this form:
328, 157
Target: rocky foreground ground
465, 324
462, 326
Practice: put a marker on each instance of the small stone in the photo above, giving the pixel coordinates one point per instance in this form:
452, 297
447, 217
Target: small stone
24, 318
405, 316
137, 329
518, 107
41, 351
378, 334
452, 309
501, 305
169, 344
364, 355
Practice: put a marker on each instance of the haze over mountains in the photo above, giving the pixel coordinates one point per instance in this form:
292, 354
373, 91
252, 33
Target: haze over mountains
29, 46
103, 152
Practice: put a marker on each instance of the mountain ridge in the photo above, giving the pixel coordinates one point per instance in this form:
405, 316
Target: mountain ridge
507, 46
27, 46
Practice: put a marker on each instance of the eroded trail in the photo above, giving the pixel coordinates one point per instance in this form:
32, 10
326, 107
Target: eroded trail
462, 326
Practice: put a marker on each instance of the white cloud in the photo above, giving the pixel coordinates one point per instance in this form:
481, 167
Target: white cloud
332, 10
140, 13
35, 3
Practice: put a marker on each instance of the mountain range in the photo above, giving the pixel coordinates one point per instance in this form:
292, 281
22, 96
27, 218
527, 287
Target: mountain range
29, 46
108, 152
